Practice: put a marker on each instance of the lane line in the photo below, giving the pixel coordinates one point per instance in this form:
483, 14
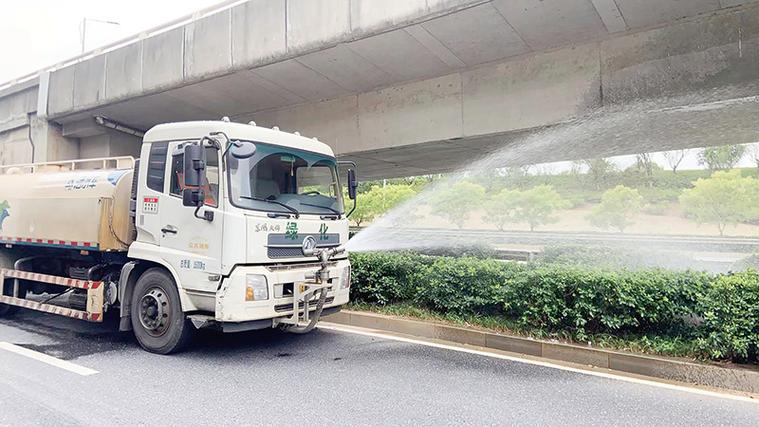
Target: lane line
50, 360
693, 390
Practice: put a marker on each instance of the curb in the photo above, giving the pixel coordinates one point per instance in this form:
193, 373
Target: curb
736, 379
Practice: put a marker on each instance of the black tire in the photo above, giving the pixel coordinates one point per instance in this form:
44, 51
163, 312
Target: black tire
164, 329
7, 290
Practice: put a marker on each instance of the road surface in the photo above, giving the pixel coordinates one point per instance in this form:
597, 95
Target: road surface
330, 377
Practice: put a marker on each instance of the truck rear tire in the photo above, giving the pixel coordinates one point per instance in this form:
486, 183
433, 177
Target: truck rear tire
158, 321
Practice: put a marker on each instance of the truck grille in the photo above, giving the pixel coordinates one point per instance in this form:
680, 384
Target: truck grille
285, 252
288, 252
283, 246
289, 307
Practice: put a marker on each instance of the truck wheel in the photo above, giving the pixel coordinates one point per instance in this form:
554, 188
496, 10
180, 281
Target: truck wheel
158, 321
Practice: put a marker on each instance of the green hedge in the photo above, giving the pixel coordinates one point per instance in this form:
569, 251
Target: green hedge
573, 300
730, 309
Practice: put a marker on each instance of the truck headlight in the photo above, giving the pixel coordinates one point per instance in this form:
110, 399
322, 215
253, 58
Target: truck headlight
256, 288
345, 279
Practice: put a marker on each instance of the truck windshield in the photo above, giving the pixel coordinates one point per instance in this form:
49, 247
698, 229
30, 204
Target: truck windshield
285, 180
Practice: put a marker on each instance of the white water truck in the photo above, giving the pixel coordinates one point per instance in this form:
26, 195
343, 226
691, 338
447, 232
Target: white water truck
220, 225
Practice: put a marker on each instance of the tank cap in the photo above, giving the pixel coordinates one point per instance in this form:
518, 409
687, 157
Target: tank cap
225, 119
252, 123
296, 133
275, 128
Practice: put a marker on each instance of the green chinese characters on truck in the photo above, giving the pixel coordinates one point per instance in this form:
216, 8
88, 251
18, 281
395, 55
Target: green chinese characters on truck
323, 232
291, 231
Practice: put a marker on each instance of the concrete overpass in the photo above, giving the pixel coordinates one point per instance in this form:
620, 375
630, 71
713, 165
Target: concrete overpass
409, 87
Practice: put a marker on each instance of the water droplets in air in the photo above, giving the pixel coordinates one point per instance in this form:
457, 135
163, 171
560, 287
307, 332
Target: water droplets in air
625, 134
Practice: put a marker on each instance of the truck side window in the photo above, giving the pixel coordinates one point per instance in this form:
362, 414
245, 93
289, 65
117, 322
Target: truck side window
157, 165
211, 186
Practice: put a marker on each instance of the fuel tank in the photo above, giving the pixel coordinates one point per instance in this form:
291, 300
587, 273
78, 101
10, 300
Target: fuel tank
66, 205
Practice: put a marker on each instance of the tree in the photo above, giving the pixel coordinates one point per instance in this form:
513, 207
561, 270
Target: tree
535, 206
618, 206
490, 179
721, 158
365, 207
500, 209
457, 202
599, 171
723, 199
379, 200
674, 158
645, 163
390, 196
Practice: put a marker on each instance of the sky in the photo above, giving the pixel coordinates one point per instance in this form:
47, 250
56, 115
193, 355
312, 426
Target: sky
35, 34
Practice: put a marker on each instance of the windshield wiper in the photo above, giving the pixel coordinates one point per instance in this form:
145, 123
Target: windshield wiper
337, 212
260, 199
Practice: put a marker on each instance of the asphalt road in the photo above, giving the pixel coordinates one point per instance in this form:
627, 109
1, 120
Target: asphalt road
327, 377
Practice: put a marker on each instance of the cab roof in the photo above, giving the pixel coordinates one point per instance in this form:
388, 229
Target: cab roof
198, 129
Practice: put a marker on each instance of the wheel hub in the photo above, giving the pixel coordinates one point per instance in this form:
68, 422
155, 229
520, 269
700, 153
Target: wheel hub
154, 311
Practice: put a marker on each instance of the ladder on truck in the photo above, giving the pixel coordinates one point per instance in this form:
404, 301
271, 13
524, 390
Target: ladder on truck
95, 294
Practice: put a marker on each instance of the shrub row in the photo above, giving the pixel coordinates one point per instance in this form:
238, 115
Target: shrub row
574, 300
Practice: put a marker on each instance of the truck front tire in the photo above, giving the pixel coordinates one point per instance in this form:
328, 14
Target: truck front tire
158, 321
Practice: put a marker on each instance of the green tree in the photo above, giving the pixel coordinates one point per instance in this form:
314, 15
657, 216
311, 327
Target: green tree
599, 171
365, 207
500, 209
390, 196
723, 199
379, 200
618, 206
457, 202
536, 205
721, 158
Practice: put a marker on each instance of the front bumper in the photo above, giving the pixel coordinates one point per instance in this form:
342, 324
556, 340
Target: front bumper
231, 306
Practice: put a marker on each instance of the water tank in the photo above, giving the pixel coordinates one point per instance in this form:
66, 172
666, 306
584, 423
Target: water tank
71, 205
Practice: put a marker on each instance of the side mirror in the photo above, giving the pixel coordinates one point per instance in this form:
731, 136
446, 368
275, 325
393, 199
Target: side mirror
193, 197
352, 184
194, 165
242, 150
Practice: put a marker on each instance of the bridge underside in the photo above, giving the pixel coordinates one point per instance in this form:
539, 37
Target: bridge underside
553, 80
643, 128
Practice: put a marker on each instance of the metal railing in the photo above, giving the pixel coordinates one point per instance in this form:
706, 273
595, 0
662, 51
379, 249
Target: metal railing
184, 20
101, 163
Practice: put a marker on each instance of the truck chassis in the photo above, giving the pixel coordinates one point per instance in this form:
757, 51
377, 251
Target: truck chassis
95, 294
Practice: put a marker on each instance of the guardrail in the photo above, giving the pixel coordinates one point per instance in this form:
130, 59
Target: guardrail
653, 241
186, 19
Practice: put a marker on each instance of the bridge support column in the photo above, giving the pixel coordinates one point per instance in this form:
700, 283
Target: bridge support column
49, 142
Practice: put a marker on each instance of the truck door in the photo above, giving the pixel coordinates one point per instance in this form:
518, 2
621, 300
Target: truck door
192, 245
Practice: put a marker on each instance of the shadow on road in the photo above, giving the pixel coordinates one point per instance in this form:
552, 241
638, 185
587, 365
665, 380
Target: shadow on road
70, 339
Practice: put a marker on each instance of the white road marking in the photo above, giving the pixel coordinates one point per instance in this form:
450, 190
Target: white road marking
50, 360
694, 390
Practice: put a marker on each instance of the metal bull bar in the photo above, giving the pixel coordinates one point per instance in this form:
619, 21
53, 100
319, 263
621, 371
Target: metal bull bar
95, 297
303, 322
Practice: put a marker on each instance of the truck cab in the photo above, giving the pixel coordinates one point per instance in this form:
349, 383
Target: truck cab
239, 226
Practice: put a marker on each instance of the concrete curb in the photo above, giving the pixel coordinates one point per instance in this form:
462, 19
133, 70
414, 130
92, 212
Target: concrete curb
743, 380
